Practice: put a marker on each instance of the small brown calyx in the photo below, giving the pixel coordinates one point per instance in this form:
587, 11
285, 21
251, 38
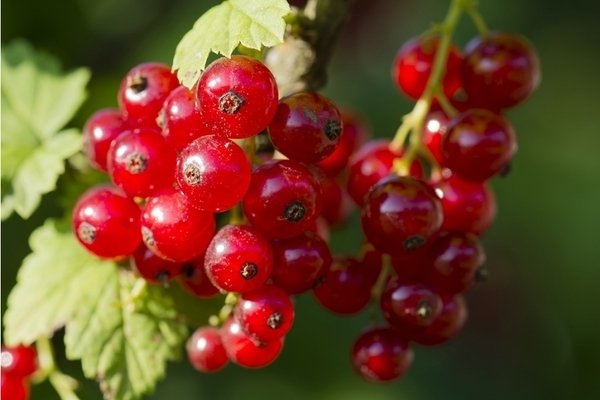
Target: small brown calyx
295, 211
275, 320
319, 281
506, 170
424, 309
136, 163
230, 102
163, 278
187, 271
191, 174
86, 232
482, 275
413, 242
333, 129
147, 237
249, 270
137, 83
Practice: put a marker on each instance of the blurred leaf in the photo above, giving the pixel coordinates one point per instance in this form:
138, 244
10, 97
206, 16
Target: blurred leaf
37, 101
195, 310
253, 23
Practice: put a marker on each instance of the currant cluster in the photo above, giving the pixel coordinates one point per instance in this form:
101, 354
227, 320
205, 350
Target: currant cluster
17, 365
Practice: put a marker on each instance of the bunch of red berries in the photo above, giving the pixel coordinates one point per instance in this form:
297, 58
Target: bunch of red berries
17, 365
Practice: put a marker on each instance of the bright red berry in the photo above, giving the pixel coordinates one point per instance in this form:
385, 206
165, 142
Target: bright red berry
18, 362
214, 173
205, 350
193, 279
14, 388
153, 268
449, 323
434, 128
106, 222
245, 351
237, 97
407, 306
99, 131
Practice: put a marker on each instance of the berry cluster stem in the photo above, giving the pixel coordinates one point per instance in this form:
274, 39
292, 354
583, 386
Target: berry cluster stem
64, 385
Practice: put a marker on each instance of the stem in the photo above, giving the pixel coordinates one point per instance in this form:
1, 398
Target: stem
64, 385
470, 7
385, 273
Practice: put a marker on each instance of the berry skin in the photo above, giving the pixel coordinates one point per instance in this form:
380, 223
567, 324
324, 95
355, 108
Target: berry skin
284, 199
18, 362
180, 119
153, 268
107, 223
372, 162
500, 70
14, 388
468, 206
337, 205
143, 92
456, 262
205, 350
406, 306
246, 352
306, 127
237, 97
141, 162
449, 323
238, 259
193, 279
381, 355
99, 131
434, 128
173, 229
299, 262
413, 64
478, 144
266, 314
401, 214
213, 173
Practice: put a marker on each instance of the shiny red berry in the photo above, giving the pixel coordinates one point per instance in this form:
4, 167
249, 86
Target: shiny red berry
99, 131
381, 355
245, 351
445, 327
18, 362
407, 305
214, 173
434, 128
106, 222
143, 92
195, 281
205, 350
14, 388
153, 268
237, 97
499, 70
337, 205
478, 144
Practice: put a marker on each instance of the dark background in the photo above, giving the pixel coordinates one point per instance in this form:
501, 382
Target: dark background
533, 330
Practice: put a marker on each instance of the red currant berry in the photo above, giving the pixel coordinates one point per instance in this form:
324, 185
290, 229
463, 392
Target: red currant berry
239, 259
180, 119
372, 162
434, 128
193, 279
381, 355
401, 214
449, 323
413, 64
346, 288
410, 265
266, 314
337, 205
18, 362
245, 351
299, 262
99, 131
141, 162
14, 388
306, 127
143, 92
284, 198
213, 173
205, 350
106, 222
407, 306
456, 263
468, 206
500, 70
173, 229
153, 268
237, 97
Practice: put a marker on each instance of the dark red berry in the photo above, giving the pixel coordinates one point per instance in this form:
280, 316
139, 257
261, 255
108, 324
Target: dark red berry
413, 64
449, 323
153, 268
238, 259
18, 362
306, 127
205, 350
266, 314
284, 198
478, 144
141, 162
401, 214
499, 70
106, 222
173, 229
381, 355
337, 205
237, 97
14, 388
214, 173
193, 279
180, 119
143, 92
99, 131
407, 306
245, 351
434, 128
410, 265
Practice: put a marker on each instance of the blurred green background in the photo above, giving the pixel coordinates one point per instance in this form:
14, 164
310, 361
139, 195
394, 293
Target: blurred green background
534, 329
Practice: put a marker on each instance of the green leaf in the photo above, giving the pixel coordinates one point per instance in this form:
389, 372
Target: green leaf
37, 101
196, 310
253, 23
